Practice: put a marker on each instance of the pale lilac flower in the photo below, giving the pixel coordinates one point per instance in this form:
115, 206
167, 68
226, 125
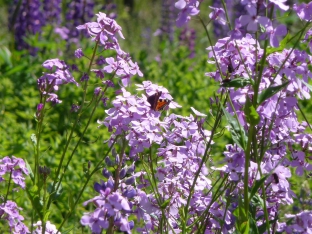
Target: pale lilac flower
187, 9
299, 161
218, 14
104, 31
308, 37
50, 82
275, 34
301, 223
79, 53
252, 19
281, 4
17, 167
304, 11
62, 32
49, 228
10, 211
108, 204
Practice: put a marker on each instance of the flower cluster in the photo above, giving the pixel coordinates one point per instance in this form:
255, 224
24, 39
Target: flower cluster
49, 228
301, 223
104, 32
78, 12
187, 9
187, 37
180, 174
50, 82
29, 20
52, 11
278, 128
9, 210
14, 166
166, 28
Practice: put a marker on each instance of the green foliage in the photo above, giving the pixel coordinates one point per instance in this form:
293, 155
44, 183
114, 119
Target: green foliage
237, 131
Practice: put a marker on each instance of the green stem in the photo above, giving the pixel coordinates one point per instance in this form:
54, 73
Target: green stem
72, 130
206, 155
97, 167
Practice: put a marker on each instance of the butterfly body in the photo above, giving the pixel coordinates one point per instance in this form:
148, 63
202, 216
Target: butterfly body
157, 104
275, 176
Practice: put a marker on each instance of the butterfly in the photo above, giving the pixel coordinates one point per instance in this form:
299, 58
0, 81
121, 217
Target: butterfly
157, 104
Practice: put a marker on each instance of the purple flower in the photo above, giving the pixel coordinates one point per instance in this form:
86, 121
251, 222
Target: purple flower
304, 11
104, 31
299, 161
109, 204
29, 20
9, 164
275, 33
50, 82
187, 37
187, 9
218, 15
79, 53
252, 19
52, 11
308, 38
301, 223
10, 211
49, 228
168, 15
78, 12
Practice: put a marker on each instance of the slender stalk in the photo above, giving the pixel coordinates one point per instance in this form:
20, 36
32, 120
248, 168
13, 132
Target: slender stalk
78, 142
8, 190
97, 167
216, 124
72, 130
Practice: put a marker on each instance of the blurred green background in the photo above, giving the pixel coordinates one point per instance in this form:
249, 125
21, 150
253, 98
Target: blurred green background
164, 59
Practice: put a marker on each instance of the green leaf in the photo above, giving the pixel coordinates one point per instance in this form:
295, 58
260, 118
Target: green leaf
165, 204
251, 114
55, 194
269, 92
253, 226
46, 216
32, 193
239, 82
5, 56
241, 217
68, 230
257, 185
237, 131
31, 174
244, 228
282, 45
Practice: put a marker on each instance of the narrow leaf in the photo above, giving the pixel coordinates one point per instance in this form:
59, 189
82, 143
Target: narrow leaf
46, 216
257, 185
282, 45
31, 174
239, 82
237, 131
165, 204
269, 92
251, 114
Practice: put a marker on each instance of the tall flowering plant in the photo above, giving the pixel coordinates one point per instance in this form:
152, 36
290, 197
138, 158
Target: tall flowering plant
105, 34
